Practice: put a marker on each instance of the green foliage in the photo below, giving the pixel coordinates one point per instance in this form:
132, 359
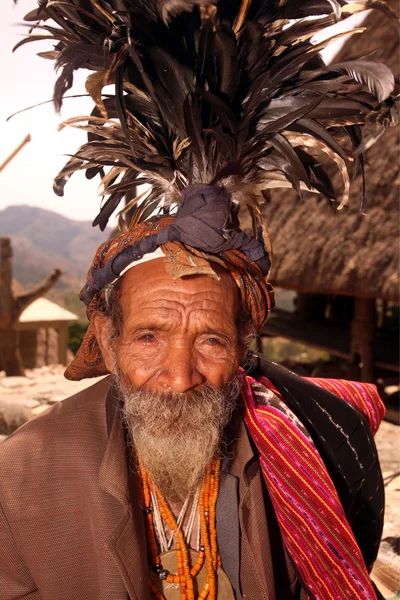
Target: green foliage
279, 349
72, 303
76, 332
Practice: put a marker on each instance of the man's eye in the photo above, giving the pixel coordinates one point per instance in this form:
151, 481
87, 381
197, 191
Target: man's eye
147, 338
214, 342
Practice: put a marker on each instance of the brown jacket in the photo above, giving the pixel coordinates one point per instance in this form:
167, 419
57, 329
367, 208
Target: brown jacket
70, 523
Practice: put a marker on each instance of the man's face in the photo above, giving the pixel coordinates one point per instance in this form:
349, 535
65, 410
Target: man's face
177, 350
177, 335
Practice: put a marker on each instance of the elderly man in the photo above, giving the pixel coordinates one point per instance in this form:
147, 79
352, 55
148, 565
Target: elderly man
196, 469
179, 475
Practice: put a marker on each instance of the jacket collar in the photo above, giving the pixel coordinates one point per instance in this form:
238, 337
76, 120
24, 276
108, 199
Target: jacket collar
259, 531
239, 453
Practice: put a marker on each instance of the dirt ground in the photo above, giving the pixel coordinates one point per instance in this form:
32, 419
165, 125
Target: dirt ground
388, 444
22, 398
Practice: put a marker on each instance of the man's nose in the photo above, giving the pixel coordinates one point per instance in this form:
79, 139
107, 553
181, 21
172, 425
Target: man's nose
180, 373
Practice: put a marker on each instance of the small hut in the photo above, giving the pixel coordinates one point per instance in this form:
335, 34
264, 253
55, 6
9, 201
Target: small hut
43, 333
345, 265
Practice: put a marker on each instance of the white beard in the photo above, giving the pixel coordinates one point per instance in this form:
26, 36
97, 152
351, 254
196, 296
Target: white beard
178, 435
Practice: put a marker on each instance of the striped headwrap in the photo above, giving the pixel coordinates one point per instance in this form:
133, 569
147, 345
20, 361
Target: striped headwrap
202, 233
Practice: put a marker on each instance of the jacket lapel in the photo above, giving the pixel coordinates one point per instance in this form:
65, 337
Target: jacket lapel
127, 543
256, 571
266, 571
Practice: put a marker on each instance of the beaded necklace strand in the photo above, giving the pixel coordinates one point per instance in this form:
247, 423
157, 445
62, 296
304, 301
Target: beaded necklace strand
165, 540
208, 551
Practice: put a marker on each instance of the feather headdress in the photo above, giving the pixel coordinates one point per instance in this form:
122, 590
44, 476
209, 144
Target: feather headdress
231, 93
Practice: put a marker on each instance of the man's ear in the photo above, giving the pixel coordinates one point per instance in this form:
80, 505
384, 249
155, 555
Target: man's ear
246, 339
103, 329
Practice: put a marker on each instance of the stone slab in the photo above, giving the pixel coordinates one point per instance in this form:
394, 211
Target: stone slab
15, 382
14, 412
39, 409
56, 398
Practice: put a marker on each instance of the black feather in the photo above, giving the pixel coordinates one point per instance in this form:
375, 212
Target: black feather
207, 92
355, 134
192, 117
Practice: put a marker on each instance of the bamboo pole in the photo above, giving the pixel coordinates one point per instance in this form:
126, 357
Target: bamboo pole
15, 152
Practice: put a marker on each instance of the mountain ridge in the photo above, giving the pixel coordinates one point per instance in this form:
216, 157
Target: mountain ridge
43, 240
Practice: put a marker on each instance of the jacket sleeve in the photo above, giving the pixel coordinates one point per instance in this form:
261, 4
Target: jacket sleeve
16, 582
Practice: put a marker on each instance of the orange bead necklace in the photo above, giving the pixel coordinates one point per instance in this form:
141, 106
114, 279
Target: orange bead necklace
208, 552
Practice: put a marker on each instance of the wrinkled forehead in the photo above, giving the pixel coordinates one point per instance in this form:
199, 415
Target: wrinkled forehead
148, 287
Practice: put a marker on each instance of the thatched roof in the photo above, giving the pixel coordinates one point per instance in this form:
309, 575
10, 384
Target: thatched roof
43, 310
318, 251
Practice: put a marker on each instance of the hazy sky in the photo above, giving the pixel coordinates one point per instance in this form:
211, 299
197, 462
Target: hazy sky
25, 80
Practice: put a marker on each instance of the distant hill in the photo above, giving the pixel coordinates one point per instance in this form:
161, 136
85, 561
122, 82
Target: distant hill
43, 240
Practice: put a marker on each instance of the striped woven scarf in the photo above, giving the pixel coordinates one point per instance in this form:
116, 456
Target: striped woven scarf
312, 521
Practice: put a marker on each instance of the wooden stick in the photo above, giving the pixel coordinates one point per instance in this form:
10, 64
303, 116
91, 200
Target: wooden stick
15, 152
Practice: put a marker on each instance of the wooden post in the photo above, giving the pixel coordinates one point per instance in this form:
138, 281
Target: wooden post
362, 336
11, 307
6, 295
14, 153
10, 357
62, 343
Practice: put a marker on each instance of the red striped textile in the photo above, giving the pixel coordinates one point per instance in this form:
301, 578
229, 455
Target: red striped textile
312, 521
362, 396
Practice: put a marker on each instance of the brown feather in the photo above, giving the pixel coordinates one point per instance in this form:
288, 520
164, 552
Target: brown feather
228, 93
